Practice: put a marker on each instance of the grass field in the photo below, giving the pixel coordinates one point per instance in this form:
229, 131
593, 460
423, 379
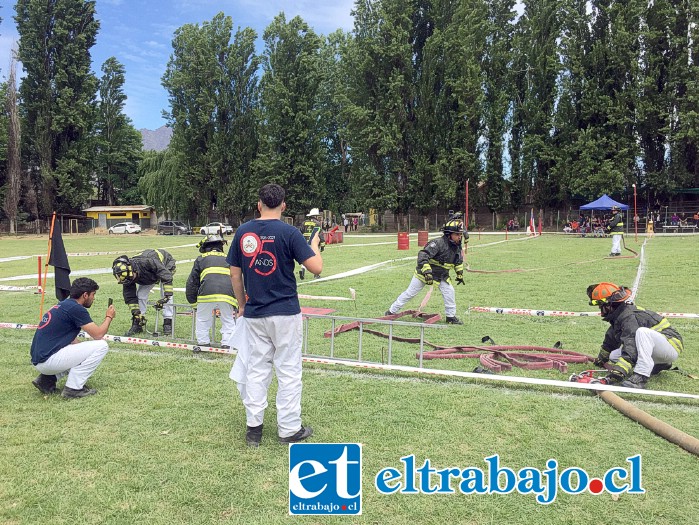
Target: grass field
163, 441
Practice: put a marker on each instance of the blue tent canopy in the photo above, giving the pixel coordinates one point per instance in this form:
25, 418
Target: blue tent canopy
605, 202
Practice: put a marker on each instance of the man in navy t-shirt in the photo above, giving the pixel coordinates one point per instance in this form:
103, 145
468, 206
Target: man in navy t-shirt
262, 259
55, 350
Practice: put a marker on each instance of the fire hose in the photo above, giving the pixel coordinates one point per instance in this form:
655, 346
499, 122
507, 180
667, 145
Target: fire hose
672, 434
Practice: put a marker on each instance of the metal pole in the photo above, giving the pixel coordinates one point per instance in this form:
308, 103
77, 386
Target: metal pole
390, 341
361, 332
466, 214
332, 340
635, 215
422, 343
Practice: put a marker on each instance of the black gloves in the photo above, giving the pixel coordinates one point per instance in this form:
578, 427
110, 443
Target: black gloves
428, 277
160, 303
460, 278
602, 358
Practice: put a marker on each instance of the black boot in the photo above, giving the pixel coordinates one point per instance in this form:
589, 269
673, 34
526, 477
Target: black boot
635, 381
136, 327
302, 273
253, 436
46, 384
454, 320
167, 326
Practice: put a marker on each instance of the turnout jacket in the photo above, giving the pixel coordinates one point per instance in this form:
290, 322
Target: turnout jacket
616, 224
210, 280
151, 267
628, 318
307, 231
440, 256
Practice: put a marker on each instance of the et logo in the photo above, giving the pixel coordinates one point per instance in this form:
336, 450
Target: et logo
325, 479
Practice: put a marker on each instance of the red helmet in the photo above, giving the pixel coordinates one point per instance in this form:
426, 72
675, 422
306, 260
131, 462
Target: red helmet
605, 293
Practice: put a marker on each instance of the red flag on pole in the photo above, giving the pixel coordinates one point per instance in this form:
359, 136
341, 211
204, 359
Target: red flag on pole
59, 260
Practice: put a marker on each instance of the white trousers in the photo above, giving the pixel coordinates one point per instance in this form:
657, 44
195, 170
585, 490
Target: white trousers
274, 341
616, 243
414, 288
142, 294
79, 361
653, 348
205, 321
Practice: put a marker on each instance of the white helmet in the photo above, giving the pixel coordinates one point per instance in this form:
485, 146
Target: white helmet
315, 212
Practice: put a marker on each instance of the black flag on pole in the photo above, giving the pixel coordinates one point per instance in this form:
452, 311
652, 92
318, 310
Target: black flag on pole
59, 261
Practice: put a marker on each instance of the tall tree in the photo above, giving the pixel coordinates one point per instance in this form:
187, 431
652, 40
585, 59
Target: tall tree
14, 176
537, 67
332, 99
119, 144
381, 110
290, 150
58, 97
212, 88
496, 72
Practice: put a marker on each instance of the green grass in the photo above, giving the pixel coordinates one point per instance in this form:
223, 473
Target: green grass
163, 440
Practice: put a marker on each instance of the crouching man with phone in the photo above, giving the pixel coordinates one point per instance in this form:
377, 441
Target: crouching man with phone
55, 350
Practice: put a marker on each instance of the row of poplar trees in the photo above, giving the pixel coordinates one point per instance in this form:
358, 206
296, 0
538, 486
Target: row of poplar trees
536, 102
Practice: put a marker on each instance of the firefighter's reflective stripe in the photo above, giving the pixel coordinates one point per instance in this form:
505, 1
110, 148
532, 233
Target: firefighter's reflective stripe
215, 269
446, 266
215, 298
674, 341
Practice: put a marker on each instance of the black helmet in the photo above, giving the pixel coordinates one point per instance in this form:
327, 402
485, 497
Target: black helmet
123, 270
453, 226
211, 242
615, 208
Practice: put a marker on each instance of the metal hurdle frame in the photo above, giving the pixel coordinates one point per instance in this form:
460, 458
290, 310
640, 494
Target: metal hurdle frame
362, 321
187, 307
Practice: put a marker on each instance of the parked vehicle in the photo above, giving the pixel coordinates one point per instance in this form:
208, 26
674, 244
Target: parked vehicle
125, 227
173, 228
216, 227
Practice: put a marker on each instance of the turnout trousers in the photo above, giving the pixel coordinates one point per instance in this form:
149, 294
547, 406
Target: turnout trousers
205, 322
414, 288
653, 349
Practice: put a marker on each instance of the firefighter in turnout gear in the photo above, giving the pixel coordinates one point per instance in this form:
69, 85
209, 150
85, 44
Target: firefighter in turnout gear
434, 262
209, 288
615, 228
138, 275
639, 343
311, 227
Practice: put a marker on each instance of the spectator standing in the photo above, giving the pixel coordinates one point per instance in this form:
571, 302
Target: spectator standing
55, 350
262, 258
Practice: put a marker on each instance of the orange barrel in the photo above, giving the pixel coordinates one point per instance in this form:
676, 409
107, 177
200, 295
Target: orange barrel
422, 237
339, 236
403, 241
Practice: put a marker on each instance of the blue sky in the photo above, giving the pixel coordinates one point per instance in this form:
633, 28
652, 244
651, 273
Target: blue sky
139, 35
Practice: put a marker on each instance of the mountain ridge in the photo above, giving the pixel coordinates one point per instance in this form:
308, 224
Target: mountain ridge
156, 140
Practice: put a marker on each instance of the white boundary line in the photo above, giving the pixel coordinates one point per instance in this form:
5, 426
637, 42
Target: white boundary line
561, 313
